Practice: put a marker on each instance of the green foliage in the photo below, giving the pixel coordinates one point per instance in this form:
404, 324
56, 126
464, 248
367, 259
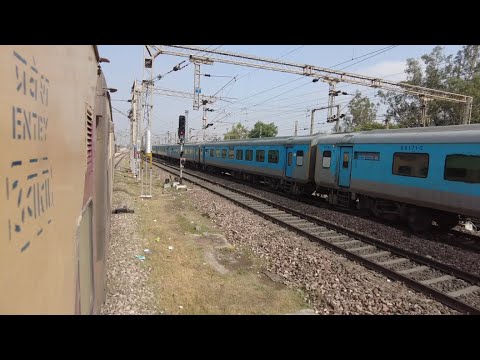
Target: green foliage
362, 109
263, 130
362, 114
374, 126
238, 132
459, 74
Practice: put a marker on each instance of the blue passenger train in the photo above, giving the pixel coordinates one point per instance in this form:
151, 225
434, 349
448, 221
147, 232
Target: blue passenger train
419, 175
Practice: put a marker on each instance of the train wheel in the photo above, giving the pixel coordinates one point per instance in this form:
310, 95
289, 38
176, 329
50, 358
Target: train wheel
365, 206
446, 223
419, 220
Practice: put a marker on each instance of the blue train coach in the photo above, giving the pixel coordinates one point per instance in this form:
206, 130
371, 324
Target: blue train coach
419, 175
282, 162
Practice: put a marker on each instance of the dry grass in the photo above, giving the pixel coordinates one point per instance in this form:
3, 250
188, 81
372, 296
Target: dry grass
200, 275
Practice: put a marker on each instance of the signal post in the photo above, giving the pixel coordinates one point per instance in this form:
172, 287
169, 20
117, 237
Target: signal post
181, 138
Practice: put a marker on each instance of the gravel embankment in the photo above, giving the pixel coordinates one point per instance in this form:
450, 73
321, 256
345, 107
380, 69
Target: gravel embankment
127, 288
331, 283
459, 258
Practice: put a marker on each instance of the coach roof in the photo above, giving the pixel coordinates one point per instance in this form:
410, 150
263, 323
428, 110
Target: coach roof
434, 134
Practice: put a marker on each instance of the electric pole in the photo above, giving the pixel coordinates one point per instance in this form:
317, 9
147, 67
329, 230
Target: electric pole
330, 76
423, 107
311, 121
181, 138
186, 124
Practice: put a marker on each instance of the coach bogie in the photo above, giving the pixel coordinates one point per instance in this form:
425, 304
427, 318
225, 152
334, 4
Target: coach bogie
419, 219
445, 221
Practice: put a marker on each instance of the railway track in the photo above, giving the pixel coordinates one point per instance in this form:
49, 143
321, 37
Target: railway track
120, 157
460, 239
465, 240
452, 287
452, 237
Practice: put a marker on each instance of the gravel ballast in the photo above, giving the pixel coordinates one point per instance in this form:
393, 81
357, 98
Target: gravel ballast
331, 283
461, 259
126, 285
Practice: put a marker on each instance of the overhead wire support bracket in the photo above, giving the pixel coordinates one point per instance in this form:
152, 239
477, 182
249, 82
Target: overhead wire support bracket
324, 74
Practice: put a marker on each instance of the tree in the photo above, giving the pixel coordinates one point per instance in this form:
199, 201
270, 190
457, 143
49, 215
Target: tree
238, 132
361, 112
347, 124
261, 129
362, 109
458, 75
370, 126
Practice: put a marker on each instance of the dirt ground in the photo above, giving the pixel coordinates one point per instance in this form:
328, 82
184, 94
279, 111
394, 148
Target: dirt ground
190, 267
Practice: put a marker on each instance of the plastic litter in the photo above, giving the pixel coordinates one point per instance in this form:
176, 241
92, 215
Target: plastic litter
470, 226
170, 248
140, 257
147, 251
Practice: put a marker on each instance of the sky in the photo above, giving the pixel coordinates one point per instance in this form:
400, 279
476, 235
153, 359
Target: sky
251, 95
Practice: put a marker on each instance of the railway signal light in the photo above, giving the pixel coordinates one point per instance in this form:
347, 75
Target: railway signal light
181, 127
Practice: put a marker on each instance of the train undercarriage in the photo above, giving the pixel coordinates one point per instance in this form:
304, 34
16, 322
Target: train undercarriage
417, 218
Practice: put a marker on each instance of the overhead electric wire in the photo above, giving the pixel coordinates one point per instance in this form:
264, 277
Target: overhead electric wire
373, 53
368, 57
266, 89
359, 57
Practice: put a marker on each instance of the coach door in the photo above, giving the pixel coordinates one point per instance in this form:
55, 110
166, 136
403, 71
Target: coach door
345, 168
290, 162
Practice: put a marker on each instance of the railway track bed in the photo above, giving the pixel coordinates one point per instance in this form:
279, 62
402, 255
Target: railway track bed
444, 247
454, 237
452, 287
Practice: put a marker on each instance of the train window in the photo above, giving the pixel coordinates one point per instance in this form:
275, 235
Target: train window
290, 157
217, 153
224, 153
230, 153
249, 155
239, 154
212, 153
273, 156
300, 158
410, 164
327, 159
345, 160
260, 155
465, 168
